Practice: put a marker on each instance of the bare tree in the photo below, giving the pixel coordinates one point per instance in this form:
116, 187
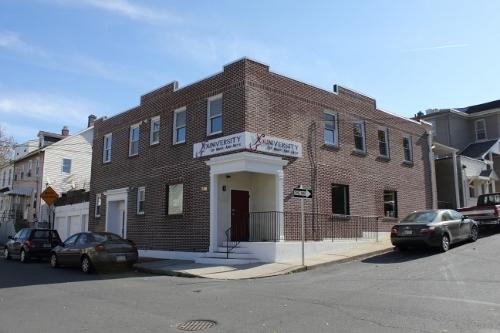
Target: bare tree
6, 146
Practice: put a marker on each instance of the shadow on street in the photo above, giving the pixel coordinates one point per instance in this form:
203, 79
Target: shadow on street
16, 274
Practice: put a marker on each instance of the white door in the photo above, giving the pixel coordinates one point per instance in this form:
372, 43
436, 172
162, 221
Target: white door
75, 224
62, 227
116, 218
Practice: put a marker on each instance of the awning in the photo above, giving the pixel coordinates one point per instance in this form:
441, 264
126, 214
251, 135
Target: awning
26, 192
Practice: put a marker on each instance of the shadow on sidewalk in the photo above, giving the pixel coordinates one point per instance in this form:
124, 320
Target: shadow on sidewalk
396, 256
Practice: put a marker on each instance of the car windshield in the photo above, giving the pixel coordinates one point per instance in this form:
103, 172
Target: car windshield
106, 237
491, 199
420, 217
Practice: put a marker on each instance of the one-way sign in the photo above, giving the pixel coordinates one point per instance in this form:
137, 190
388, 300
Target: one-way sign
302, 193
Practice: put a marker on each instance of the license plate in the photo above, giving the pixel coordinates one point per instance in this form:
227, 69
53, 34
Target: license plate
47, 245
407, 232
121, 258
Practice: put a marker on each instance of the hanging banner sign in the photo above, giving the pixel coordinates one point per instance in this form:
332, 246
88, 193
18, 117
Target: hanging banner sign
248, 141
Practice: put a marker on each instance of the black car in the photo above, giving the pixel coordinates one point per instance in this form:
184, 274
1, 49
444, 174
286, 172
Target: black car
435, 228
31, 243
91, 250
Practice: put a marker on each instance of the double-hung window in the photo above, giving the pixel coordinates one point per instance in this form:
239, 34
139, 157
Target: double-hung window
480, 127
155, 131
331, 134
383, 142
408, 149
141, 199
30, 167
134, 140
98, 205
180, 125
106, 152
390, 204
37, 167
66, 165
214, 115
359, 136
175, 194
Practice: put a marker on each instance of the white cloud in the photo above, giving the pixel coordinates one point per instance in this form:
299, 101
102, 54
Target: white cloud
439, 47
11, 41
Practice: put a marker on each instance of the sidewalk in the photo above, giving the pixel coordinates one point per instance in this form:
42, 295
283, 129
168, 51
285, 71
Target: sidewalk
187, 268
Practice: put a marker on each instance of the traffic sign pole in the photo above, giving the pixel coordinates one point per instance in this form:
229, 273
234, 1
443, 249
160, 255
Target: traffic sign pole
302, 227
303, 193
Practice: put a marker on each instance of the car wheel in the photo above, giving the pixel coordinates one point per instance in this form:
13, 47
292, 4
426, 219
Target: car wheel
445, 243
53, 261
474, 233
23, 257
6, 254
86, 265
402, 248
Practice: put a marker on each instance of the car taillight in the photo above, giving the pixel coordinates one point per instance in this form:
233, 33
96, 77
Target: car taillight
29, 243
497, 211
427, 230
99, 248
394, 230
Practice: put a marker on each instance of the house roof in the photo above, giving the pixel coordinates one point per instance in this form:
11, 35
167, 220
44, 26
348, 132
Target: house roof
53, 135
478, 149
482, 107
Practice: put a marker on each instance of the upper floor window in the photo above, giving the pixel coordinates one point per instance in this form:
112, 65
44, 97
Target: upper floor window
4, 178
30, 167
141, 198
359, 135
214, 115
134, 140
383, 142
37, 167
408, 149
66, 165
180, 125
155, 131
10, 176
480, 127
331, 134
106, 152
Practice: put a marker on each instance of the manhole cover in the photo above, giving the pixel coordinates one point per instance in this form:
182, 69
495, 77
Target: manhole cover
196, 325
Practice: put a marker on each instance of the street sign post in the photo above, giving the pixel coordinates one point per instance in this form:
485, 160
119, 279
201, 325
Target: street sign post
50, 196
303, 193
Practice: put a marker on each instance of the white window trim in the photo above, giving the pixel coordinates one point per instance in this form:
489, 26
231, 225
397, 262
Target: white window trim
410, 146
484, 126
98, 198
335, 130
386, 130
132, 127
139, 190
153, 120
169, 213
363, 132
104, 160
174, 139
209, 118
62, 166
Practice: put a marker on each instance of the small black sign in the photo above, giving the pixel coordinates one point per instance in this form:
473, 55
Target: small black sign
302, 193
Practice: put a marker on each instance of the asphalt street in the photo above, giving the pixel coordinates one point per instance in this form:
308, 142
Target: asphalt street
415, 291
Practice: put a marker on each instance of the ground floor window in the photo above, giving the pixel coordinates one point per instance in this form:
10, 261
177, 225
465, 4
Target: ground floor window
472, 191
340, 199
98, 205
390, 204
175, 194
141, 198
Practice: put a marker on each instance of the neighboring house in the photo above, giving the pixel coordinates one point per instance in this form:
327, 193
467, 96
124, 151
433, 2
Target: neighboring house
6, 179
178, 173
467, 152
71, 213
62, 161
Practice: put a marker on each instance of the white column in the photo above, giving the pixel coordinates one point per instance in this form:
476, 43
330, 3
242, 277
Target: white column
280, 202
213, 213
455, 179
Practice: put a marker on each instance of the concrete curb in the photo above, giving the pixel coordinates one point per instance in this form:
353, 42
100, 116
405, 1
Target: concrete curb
353, 258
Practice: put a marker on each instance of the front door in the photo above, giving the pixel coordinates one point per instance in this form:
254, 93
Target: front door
116, 218
239, 215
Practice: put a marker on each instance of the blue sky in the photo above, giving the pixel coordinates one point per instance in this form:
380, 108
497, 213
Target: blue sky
61, 60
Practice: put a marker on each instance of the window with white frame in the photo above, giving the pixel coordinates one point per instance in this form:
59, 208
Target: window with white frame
37, 167
408, 149
390, 204
30, 167
383, 142
331, 134
66, 165
107, 148
180, 125
175, 195
4, 178
359, 135
480, 126
141, 199
98, 205
154, 137
214, 115
134, 140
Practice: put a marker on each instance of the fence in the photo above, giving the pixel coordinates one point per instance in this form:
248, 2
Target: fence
266, 226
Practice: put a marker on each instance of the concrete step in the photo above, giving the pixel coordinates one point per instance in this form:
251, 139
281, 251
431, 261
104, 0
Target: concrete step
235, 250
225, 262
234, 255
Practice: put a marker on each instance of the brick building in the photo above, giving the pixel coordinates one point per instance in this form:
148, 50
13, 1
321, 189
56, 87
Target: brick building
176, 172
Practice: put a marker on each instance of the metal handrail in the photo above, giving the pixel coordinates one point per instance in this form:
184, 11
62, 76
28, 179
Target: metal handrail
228, 240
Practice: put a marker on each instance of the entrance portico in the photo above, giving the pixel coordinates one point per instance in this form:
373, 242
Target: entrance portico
261, 176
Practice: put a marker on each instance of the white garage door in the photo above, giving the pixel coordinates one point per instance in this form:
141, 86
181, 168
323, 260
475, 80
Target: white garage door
62, 227
75, 224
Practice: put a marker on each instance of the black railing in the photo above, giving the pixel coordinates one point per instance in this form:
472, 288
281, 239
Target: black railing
232, 240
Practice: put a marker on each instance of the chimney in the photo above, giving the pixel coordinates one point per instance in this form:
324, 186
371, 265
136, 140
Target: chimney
92, 119
65, 131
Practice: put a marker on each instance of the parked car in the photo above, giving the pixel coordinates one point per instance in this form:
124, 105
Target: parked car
31, 243
93, 250
486, 211
434, 228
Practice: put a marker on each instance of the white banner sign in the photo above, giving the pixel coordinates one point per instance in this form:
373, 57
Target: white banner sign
248, 141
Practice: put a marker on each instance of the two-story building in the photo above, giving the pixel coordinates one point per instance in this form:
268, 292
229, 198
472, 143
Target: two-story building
192, 168
467, 151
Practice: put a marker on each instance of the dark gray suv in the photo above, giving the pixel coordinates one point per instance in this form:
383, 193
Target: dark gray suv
31, 243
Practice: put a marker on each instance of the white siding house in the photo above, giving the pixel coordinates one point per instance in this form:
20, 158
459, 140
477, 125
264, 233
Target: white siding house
66, 165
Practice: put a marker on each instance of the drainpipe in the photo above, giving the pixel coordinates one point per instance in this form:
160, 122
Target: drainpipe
433, 170
455, 180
